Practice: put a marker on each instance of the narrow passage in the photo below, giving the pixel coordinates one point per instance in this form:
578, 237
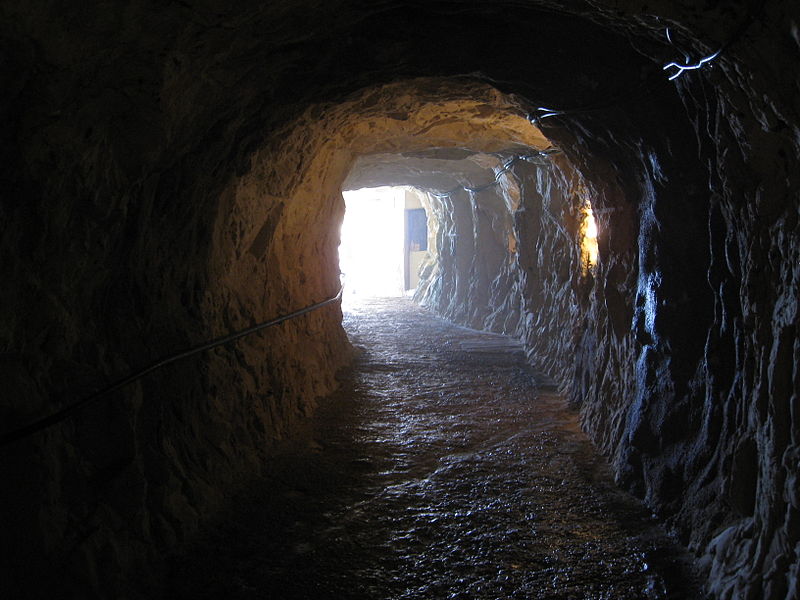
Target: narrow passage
442, 470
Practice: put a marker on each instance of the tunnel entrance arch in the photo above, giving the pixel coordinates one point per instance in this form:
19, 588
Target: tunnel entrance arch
384, 241
478, 157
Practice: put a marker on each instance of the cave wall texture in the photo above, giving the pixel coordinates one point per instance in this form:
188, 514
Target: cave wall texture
173, 171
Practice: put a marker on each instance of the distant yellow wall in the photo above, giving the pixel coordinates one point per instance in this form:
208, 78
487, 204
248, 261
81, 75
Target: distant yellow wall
415, 259
413, 200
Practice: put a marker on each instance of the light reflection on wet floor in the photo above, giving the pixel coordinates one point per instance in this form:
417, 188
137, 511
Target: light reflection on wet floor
439, 471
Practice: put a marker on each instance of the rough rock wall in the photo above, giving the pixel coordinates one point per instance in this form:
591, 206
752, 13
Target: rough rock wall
711, 435
122, 243
682, 347
696, 415
550, 266
470, 278
101, 496
507, 259
125, 128
744, 389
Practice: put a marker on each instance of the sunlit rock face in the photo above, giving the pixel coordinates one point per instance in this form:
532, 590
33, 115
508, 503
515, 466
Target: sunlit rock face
173, 172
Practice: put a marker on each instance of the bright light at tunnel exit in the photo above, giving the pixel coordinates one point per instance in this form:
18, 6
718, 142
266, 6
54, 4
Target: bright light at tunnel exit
371, 248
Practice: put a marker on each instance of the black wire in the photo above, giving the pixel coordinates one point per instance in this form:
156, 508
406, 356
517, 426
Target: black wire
64, 413
649, 82
505, 169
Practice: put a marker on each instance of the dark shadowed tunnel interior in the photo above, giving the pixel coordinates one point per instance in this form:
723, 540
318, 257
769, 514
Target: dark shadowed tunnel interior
173, 172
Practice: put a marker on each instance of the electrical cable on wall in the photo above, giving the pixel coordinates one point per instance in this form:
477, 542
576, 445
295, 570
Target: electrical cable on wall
66, 412
688, 64
507, 169
503, 170
679, 68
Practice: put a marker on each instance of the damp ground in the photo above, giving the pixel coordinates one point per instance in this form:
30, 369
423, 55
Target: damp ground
444, 468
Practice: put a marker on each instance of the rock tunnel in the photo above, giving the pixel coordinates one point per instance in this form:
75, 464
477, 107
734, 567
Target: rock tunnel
173, 171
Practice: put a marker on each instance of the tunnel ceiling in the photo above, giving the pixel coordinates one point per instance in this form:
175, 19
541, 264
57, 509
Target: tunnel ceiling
202, 76
433, 174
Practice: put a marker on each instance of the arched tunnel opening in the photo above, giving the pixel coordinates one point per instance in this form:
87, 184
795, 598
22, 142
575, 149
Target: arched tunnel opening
172, 173
372, 250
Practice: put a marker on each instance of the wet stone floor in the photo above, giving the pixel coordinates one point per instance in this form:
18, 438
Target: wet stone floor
443, 469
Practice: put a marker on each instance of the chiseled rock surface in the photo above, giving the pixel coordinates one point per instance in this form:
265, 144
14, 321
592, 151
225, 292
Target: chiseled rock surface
99, 497
172, 172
